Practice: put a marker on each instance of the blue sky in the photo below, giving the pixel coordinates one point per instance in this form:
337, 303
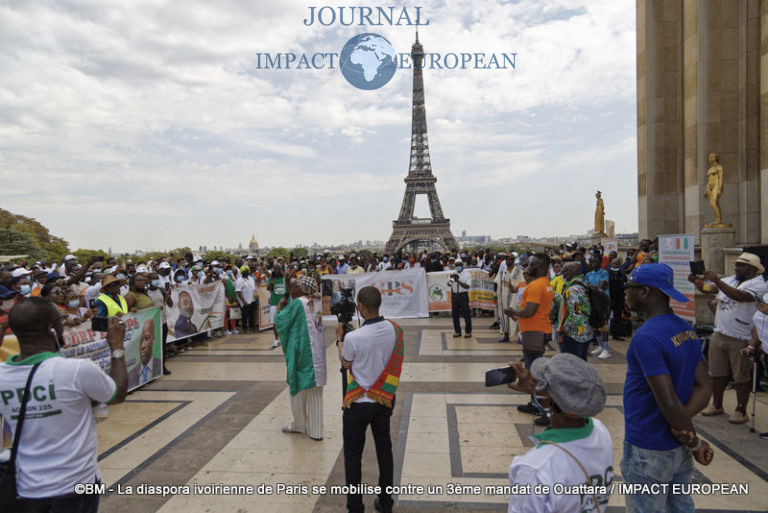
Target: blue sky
145, 125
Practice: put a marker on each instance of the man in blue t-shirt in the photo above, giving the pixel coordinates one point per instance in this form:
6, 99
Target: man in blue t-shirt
666, 385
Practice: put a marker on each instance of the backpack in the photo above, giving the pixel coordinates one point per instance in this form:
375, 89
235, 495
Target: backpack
599, 305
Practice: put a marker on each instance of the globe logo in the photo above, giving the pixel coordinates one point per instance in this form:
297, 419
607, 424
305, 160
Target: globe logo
368, 61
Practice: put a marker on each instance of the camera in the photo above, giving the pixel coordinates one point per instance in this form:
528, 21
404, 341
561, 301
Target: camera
697, 267
345, 309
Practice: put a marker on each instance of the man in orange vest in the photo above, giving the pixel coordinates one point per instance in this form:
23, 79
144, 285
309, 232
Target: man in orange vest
373, 354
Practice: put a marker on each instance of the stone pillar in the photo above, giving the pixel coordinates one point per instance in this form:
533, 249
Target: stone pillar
713, 242
764, 123
659, 111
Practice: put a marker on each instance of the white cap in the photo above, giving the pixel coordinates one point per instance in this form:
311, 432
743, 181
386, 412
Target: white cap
142, 269
20, 272
215, 262
164, 265
69, 257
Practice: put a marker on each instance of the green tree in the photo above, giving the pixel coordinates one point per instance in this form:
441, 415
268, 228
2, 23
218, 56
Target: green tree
84, 254
278, 252
219, 255
15, 242
54, 248
299, 252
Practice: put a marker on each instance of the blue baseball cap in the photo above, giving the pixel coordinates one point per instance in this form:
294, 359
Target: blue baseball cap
659, 276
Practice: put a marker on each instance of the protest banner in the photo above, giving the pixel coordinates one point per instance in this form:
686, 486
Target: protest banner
265, 319
610, 245
438, 291
403, 293
196, 308
334, 286
677, 252
143, 344
481, 294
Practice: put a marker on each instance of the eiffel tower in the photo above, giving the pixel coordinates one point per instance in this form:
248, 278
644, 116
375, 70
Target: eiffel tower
420, 180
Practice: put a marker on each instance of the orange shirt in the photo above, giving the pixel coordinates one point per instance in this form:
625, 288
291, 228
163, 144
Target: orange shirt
538, 291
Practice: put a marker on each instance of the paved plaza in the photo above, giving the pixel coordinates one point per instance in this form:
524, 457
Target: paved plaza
217, 421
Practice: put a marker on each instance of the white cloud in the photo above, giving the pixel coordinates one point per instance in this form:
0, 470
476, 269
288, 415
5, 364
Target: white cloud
157, 106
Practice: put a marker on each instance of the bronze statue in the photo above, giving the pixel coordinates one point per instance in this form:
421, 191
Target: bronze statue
599, 215
715, 190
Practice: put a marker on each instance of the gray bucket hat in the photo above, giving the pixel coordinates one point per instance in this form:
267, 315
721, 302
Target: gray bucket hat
574, 384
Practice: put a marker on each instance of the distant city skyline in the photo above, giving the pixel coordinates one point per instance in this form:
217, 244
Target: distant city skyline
150, 127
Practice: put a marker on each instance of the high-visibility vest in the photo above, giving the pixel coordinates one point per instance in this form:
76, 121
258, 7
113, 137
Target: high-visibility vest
112, 307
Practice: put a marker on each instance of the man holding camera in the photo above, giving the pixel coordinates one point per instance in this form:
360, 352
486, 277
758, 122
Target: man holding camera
736, 304
57, 449
374, 355
459, 285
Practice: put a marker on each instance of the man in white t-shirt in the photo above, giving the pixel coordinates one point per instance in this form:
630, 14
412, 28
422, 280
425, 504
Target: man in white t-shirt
576, 451
736, 304
58, 447
459, 282
245, 287
373, 354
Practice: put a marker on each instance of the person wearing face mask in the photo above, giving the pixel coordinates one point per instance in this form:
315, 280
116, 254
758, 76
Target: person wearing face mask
459, 284
110, 303
161, 299
58, 450
385, 264
21, 285
576, 450
75, 314
245, 287
179, 277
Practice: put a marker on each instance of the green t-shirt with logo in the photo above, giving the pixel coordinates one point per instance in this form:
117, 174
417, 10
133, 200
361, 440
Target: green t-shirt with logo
278, 291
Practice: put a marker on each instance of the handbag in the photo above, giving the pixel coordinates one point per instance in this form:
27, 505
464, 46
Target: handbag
235, 313
8, 468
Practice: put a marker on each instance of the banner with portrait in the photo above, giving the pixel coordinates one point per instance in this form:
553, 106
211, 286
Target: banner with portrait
403, 293
143, 346
196, 308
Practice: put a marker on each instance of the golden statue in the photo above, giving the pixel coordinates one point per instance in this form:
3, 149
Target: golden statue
715, 190
599, 215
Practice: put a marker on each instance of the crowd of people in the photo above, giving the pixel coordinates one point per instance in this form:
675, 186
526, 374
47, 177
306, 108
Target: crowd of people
571, 297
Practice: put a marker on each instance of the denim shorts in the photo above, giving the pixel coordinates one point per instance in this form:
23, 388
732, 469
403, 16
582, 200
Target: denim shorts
649, 467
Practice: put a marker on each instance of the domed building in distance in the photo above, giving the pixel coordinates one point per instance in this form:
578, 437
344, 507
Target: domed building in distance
253, 246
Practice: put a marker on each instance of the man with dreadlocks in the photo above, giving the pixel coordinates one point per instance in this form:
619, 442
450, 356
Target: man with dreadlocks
299, 325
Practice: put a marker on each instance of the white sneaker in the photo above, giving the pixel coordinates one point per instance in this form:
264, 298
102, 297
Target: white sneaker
596, 351
604, 355
228, 333
275, 343
235, 332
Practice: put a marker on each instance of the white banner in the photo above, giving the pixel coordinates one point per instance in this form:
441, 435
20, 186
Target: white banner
196, 308
403, 293
677, 252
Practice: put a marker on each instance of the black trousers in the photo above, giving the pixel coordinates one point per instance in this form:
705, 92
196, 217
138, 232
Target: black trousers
356, 420
248, 312
165, 346
459, 306
86, 503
